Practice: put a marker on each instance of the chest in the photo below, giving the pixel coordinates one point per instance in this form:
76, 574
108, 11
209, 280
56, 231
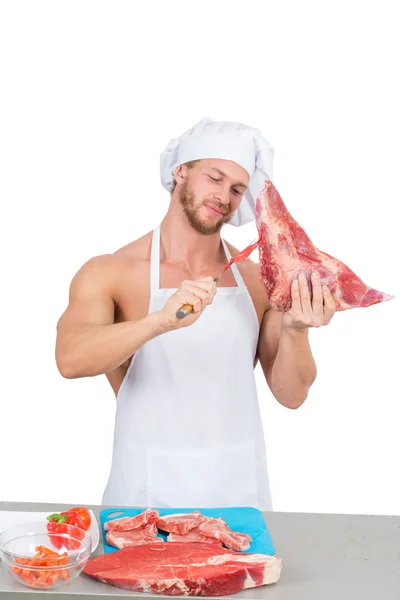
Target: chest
133, 294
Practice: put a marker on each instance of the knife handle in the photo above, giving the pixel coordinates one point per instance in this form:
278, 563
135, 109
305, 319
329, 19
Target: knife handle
185, 310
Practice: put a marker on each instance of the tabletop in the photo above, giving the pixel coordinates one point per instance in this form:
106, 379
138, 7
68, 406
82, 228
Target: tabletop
324, 557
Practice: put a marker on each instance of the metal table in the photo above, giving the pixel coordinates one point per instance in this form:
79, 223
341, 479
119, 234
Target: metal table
324, 557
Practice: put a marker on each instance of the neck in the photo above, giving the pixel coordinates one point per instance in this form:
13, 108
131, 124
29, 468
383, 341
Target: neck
183, 245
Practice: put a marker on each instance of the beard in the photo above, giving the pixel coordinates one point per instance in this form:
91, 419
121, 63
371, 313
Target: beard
188, 202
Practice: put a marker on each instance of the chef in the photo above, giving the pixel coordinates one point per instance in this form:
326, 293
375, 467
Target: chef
188, 429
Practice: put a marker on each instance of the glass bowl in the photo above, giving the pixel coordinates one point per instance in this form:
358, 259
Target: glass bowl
44, 560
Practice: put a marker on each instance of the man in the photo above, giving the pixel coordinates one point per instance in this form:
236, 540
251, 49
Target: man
188, 430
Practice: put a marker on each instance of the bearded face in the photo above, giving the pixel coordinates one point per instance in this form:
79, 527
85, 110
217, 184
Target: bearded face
205, 216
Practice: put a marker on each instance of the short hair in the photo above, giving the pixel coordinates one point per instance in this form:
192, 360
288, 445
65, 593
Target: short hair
190, 164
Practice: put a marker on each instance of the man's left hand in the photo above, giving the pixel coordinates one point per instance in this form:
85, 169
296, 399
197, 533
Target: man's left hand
309, 309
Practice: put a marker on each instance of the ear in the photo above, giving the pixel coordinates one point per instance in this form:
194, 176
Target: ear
180, 174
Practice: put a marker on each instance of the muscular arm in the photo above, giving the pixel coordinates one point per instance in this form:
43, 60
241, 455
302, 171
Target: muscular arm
286, 359
88, 341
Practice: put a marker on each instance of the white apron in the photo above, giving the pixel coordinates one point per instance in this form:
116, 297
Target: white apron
188, 429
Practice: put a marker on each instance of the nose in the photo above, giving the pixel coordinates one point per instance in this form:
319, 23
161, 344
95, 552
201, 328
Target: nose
222, 195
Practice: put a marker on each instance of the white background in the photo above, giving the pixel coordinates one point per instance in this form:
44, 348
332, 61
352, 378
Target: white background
92, 92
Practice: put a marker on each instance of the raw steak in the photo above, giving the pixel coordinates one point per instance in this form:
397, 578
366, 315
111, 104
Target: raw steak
286, 250
136, 522
134, 537
181, 569
219, 530
180, 523
192, 536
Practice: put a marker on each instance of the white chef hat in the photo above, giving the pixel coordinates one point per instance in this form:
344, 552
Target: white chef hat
225, 140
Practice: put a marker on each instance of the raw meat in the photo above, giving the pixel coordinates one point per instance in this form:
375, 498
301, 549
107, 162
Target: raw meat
192, 536
134, 537
181, 569
180, 523
136, 522
219, 530
286, 250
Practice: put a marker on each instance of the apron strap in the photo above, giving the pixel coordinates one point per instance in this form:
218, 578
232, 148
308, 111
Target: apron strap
155, 262
236, 273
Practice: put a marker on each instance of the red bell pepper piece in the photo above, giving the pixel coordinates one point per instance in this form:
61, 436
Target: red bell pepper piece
53, 527
73, 521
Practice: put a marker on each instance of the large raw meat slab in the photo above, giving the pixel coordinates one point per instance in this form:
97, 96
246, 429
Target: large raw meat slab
286, 250
175, 568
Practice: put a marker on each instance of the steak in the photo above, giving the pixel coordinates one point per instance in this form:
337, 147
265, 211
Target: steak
193, 536
184, 569
136, 522
219, 530
180, 523
134, 537
286, 250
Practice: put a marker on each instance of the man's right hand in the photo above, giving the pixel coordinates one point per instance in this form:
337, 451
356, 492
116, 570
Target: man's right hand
199, 294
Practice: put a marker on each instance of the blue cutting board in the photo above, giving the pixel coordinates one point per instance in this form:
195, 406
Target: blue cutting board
242, 519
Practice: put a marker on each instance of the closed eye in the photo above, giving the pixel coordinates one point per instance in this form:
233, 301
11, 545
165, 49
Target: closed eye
236, 191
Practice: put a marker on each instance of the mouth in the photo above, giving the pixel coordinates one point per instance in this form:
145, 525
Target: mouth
215, 211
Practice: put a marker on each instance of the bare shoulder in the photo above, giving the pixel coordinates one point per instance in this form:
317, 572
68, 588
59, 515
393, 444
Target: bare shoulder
96, 269
100, 271
137, 250
127, 255
110, 268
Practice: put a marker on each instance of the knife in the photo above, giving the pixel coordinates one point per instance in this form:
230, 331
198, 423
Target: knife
186, 309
